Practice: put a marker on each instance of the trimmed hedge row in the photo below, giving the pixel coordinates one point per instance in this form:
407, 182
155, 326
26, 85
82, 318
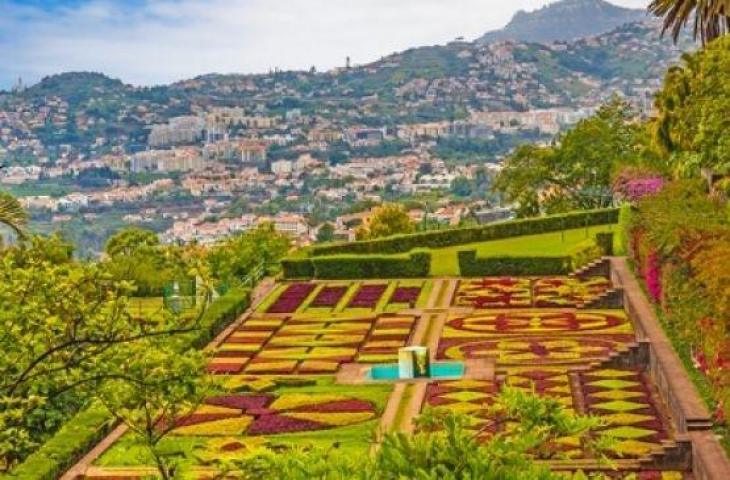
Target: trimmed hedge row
89, 426
472, 266
461, 236
297, 267
417, 264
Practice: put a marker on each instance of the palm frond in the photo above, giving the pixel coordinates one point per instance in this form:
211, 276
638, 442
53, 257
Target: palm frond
12, 214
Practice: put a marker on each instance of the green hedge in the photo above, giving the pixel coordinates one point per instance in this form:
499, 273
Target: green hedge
472, 266
297, 268
415, 265
462, 236
89, 426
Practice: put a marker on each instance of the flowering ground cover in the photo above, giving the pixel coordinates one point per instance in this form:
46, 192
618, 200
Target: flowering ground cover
311, 345
329, 297
525, 292
368, 296
289, 411
536, 337
567, 291
406, 295
291, 298
495, 292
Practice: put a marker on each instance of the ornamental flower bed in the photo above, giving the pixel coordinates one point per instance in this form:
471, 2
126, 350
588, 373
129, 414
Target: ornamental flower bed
291, 299
495, 292
368, 296
328, 297
405, 295
568, 292
272, 415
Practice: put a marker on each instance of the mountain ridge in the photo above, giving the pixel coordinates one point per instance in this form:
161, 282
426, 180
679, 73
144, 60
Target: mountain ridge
564, 20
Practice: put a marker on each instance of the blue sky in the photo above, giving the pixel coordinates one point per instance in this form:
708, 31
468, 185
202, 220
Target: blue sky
147, 42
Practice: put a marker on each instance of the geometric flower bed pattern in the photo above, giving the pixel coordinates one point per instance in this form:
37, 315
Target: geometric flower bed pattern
525, 292
562, 292
405, 295
623, 399
536, 337
291, 298
329, 297
495, 292
368, 296
311, 345
235, 415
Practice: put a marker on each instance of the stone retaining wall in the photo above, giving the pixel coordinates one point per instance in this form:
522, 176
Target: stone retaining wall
689, 413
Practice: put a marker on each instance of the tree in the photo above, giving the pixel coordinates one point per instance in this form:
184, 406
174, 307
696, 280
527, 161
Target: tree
386, 220
152, 391
461, 186
12, 214
129, 241
711, 17
691, 130
326, 233
234, 259
64, 327
136, 256
575, 173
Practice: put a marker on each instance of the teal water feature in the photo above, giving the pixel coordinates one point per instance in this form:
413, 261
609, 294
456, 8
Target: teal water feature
438, 371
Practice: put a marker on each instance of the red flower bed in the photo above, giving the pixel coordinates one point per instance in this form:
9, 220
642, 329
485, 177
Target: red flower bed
407, 295
244, 402
367, 296
291, 298
329, 297
273, 424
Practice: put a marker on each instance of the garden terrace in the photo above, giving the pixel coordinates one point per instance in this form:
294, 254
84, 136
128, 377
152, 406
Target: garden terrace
279, 368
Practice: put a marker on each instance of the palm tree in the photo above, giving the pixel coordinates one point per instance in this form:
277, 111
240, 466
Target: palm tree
12, 214
711, 17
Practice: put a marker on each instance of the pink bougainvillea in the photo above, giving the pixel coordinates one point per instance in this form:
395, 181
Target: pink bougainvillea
653, 275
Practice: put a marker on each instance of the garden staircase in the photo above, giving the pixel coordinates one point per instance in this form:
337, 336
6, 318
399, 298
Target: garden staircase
611, 298
597, 268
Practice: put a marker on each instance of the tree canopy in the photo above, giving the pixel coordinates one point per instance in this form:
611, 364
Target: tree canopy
386, 220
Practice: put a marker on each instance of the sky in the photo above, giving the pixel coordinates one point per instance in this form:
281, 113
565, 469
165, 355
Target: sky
150, 42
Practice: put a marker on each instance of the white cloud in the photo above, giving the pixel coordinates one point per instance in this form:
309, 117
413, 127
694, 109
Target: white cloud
161, 41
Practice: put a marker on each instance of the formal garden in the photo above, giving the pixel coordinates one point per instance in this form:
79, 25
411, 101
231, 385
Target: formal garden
280, 383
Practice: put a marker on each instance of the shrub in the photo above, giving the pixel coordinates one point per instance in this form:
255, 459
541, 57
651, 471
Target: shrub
415, 265
604, 240
461, 236
584, 253
472, 266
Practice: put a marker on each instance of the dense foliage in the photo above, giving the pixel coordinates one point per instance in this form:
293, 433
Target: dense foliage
385, 221
680, 242
575, 173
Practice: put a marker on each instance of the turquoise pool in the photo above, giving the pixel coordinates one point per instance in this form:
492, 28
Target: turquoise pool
439, 370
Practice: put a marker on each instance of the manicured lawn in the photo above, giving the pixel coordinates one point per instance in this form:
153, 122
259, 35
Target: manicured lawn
445, 263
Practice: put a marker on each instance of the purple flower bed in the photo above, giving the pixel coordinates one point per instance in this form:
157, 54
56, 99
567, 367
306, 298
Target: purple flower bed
329, 297
367, 296
407, 295
291, 298
273, 424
